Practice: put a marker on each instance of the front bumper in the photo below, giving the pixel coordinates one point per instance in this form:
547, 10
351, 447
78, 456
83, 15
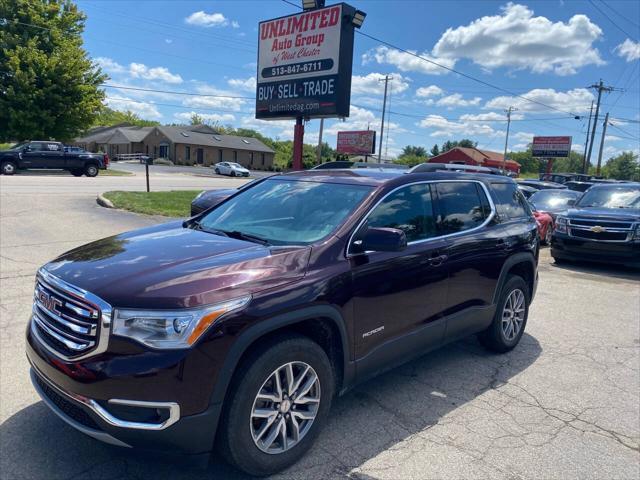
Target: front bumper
565, 247
95, 397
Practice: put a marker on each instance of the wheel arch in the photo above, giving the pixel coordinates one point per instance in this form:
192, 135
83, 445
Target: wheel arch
323, 324
521, 264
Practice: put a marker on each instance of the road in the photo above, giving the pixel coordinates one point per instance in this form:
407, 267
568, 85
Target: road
563, 404
208, 171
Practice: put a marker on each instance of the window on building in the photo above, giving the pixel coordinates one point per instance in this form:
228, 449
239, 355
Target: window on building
219, 155
187, 153
251, 158
462, 206
235, 156
409, 209
263, 159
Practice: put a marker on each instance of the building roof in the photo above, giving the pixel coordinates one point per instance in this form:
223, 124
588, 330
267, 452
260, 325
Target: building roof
178, 134
480, 157
129, 134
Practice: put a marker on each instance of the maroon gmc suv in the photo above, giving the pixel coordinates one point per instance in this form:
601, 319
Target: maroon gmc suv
234, 330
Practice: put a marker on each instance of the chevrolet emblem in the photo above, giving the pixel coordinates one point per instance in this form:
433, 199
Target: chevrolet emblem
597, 229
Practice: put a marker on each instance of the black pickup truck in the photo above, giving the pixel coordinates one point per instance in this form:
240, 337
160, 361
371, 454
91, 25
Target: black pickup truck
51, 155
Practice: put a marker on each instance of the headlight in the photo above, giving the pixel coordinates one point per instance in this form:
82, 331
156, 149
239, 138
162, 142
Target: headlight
171, 329
561, 224
199, 195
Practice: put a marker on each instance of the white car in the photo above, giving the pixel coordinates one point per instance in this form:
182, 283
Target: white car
230, 168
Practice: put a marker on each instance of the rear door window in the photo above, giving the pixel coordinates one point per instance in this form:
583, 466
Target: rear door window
409, 209
461, 206
509, 201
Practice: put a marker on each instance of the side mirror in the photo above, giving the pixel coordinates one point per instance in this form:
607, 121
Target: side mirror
27, 149
382, 240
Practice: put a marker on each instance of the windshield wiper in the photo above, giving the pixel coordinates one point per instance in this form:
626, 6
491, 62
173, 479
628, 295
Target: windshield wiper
247, 236
198, 226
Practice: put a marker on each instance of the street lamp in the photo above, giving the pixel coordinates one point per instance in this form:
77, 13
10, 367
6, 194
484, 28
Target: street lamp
358, 18
312, 4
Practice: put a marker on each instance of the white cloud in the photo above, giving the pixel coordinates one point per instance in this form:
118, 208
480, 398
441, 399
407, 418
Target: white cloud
456, 100
430, 91
371, 84
246, 84
168, 41
220, 99
361, 119
281, 129
515, 38
629, 50
446, 128
523, 136
212, 117
140, 70
109, 65
612, 138
407, 62
489, 117
577, 100
145, 110
208, 20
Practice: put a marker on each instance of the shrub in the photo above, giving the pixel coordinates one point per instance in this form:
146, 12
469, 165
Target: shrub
163, 161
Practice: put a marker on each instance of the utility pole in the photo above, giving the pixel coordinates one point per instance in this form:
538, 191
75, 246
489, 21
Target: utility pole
506, 140
319, 151
384, 108
386, 143
601, 88
604, 132
585, 167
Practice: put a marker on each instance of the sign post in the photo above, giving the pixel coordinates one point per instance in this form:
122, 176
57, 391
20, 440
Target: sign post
304, 67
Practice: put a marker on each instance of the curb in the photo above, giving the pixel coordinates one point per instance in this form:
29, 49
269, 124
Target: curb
104, 202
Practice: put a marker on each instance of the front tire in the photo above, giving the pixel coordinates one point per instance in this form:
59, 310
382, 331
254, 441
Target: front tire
233, 173
279, 399
91, 170
510, 318
9, 168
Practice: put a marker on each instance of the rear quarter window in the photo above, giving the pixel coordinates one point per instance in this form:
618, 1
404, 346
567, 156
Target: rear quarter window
509, 201
461, 206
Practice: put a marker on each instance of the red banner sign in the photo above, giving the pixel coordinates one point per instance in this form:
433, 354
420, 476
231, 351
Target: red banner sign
551, 147
362, 142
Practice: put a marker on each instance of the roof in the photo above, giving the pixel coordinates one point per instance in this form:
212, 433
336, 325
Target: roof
129, 134
185, 135
479, 156
377, 177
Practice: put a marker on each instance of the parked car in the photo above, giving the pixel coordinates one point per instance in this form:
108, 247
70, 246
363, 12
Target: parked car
210, 198
554, 202
230, 168
349, 164
565, 177
526, 190
453, 167
604, 226
540, 185
51, 155
578, 186
234, 330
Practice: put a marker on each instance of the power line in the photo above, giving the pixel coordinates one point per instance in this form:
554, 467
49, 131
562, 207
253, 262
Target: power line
637, 25
176, 92
611, 20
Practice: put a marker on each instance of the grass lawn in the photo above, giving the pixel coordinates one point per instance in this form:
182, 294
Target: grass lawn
176, 203
114, 173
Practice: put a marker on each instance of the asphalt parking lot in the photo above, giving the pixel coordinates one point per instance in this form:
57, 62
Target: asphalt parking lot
564, 404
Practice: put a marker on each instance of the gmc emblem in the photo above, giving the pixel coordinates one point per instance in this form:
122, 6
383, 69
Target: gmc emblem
48, 302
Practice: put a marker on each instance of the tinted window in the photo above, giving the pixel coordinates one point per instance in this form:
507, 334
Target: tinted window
612, 197
509, 201
409, 209
461, 206
553, 199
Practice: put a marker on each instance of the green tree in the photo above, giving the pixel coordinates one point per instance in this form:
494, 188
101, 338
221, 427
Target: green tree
49, 87
411, 160
625, 166
108, 117
435, 150
413, 150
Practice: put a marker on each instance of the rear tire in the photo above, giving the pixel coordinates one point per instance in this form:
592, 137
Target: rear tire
254, 381
8, 168
217, 171
233, 173
77, 173
510, 318
91, 170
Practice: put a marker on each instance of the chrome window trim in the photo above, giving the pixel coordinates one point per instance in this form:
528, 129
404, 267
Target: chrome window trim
489, 218
95, 407
102, 341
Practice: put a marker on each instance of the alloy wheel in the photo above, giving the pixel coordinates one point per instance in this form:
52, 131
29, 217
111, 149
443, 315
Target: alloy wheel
513, 314
285, 407
8, 169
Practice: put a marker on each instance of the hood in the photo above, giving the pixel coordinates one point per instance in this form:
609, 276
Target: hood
619, 214
169, 266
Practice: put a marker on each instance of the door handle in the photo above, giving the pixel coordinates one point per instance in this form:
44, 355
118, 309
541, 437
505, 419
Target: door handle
438, 260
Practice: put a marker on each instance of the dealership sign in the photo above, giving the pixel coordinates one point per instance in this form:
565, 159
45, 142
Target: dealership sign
362, 142
551, 147
304, 64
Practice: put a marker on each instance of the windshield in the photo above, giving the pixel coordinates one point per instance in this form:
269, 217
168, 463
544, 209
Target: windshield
611, 197
285, 212
19, 146
552, 199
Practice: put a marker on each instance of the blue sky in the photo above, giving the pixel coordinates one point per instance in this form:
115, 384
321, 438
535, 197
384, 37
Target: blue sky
548, 51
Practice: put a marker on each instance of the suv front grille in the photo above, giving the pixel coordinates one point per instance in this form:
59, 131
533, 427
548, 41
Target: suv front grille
601, 223
608, 236
68, 321
603, 230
